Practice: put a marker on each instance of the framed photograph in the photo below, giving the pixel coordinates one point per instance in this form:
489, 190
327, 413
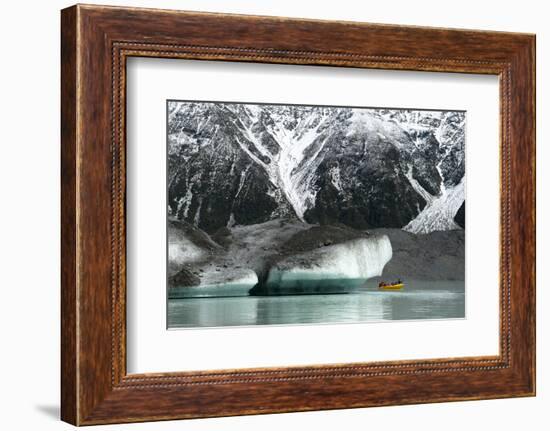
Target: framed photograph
264, 214
275, 211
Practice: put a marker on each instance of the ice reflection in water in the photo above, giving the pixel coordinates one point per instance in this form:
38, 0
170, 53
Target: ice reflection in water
419, 300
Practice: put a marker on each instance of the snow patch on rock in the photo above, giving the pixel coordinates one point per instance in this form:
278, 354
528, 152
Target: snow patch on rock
439, 213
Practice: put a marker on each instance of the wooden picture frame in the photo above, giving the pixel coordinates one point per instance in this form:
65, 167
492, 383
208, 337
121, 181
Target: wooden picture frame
95, 43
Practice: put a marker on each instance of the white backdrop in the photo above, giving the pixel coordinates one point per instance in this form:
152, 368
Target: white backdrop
29, 216
151, 348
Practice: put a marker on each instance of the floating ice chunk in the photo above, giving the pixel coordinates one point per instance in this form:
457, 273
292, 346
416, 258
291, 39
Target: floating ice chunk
229, 282
338, 268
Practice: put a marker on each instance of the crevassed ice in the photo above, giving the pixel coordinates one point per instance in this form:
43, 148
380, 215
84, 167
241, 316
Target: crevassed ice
184, 251
357, 259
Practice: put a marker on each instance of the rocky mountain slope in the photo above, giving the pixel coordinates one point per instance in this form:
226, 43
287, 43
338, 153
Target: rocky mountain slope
238, 164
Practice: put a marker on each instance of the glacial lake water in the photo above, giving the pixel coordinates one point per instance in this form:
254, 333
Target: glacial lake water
418, 300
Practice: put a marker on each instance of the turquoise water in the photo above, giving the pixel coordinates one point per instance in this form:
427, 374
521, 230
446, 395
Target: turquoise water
419, 300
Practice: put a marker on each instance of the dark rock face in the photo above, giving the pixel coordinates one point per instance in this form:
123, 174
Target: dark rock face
213, 191
452, 149
423, 168
235, 164
460, 217
362, 199
184, 278
213, 181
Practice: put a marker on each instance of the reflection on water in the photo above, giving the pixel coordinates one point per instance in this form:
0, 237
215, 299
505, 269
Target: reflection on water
419, 300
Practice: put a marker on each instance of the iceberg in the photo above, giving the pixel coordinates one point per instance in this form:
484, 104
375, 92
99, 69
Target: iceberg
232, 282
339, 268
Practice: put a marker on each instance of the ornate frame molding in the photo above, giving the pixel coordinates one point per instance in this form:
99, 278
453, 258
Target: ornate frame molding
96, 41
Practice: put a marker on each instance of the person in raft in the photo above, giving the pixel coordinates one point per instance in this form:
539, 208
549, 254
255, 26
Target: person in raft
382, 284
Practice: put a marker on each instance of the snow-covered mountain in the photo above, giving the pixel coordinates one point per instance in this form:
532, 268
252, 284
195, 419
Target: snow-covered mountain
244, 164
